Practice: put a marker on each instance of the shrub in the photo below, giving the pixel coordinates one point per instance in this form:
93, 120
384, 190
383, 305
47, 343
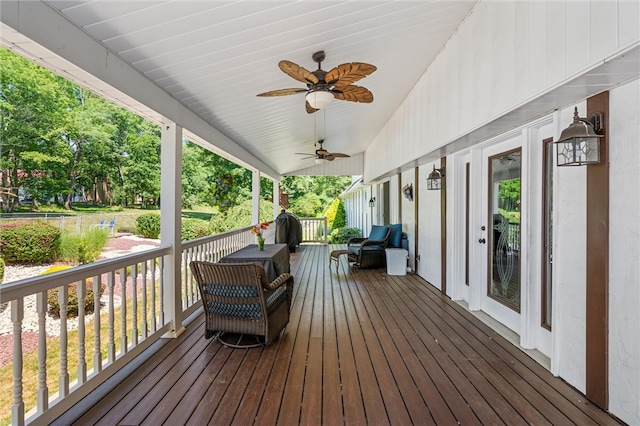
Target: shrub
82, 248
148, 225
340, 220
29, 242
240, 216
342, 235
336, 215
194, 228
330, 213
1, 269
72, 303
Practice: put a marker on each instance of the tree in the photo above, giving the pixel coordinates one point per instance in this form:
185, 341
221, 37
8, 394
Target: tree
325, 189
87, 133
32, 105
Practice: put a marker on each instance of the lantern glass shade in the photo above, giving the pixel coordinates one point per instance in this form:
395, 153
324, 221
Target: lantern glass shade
319, 99
372, 202
578, 151
434, 181
579, 144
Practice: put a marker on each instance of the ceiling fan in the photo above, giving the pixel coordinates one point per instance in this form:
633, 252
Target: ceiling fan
323, 86
323, 154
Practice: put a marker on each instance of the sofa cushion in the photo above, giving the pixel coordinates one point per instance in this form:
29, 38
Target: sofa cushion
395, 235
366, 250
378, 232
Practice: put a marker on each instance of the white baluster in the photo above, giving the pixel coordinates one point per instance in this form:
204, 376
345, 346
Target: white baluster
63, 301
161, 291
111, 351
134, 309
154, 327
82, 362
145, 328
43, 390
97, 354
17, 315
123, 311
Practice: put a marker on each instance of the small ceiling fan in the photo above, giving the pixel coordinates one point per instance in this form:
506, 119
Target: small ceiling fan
323, 154
323, 86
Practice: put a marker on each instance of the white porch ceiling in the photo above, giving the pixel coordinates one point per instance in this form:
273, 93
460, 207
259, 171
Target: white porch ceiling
215, 56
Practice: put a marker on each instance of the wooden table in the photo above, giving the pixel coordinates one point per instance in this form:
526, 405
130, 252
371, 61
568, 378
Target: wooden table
274, 258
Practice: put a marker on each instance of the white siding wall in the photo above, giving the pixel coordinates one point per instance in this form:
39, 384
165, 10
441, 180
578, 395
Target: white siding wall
569, 263
624, 246
408, 219
504, 55
394, 196
429, 232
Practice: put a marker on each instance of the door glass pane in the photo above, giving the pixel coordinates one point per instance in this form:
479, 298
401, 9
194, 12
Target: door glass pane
504, 208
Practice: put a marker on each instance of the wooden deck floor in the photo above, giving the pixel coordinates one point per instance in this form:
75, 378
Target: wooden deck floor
362, 347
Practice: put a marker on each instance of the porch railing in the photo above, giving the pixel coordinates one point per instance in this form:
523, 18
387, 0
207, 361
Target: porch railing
128, 318
211, 249
314, 230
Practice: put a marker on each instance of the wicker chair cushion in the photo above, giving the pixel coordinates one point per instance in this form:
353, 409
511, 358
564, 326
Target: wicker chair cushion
377, 232
229, 290
243, 310
356, 251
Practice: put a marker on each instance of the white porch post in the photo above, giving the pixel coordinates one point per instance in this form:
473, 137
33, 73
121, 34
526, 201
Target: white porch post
276, 198
255, 197
170, 208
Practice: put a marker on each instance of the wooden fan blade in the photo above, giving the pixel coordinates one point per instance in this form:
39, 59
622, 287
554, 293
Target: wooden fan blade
283, 92
339, 155
329, 157
353, 94
297, 72
346, 74
309, 108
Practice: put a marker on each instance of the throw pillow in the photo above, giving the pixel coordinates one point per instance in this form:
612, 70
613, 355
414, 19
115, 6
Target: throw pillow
395, 235
378, 232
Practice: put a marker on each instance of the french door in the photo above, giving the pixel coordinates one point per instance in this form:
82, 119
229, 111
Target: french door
494, 236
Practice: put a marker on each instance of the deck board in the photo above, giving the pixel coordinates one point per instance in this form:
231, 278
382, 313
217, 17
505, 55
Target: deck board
361, 347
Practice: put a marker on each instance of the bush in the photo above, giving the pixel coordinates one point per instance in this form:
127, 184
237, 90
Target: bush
336, 215
148, 225
342, 235
82, 248
194, 228
340, 221
29, 242
1, 269
240, 216
72, 303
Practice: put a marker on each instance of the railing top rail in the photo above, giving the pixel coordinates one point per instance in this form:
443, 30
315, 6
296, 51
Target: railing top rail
21, 288
202, 240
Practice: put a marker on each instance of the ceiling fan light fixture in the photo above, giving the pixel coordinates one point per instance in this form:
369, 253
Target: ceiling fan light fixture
319, 99
319, 160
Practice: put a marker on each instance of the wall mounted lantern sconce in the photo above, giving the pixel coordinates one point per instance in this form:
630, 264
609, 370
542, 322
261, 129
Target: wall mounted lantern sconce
407, 190
434, 181
372, 202
579, 143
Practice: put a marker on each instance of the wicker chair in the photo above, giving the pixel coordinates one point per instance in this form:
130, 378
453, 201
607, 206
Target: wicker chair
238, 300
369, 252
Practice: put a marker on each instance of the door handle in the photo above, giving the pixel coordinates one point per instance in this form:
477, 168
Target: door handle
482, 241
